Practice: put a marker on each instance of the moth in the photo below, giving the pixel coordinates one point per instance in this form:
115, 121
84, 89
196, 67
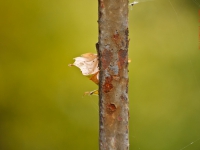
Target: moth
88, 64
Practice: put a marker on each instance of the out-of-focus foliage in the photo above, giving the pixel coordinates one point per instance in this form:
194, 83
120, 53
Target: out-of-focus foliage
41, 98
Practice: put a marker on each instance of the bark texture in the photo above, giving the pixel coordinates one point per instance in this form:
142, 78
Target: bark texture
112, 50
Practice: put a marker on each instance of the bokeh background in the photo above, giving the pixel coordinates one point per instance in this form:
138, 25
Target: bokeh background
42, 106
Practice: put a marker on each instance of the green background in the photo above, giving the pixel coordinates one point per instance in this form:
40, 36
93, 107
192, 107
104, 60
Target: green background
42, 106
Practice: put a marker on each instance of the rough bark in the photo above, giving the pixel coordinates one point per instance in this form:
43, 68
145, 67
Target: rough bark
112, 50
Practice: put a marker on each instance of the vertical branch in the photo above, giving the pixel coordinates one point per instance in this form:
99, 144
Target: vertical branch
112, 50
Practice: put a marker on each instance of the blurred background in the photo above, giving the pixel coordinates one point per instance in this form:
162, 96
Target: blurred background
42, 106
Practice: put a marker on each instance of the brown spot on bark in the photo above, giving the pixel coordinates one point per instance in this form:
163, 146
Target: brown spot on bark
127, 80
111, 107
106, 58
119, 118
126, 32
127, 40
123, 98
116, 38
122, 55
102, 4
107, 85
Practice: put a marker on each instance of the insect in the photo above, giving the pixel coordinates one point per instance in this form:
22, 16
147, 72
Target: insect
138, 1
133, 3
95, 92
88, 64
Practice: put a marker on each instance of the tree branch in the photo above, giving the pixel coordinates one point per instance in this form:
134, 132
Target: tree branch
112, 51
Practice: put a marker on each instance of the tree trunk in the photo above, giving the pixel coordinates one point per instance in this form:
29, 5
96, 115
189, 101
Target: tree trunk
112, 50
